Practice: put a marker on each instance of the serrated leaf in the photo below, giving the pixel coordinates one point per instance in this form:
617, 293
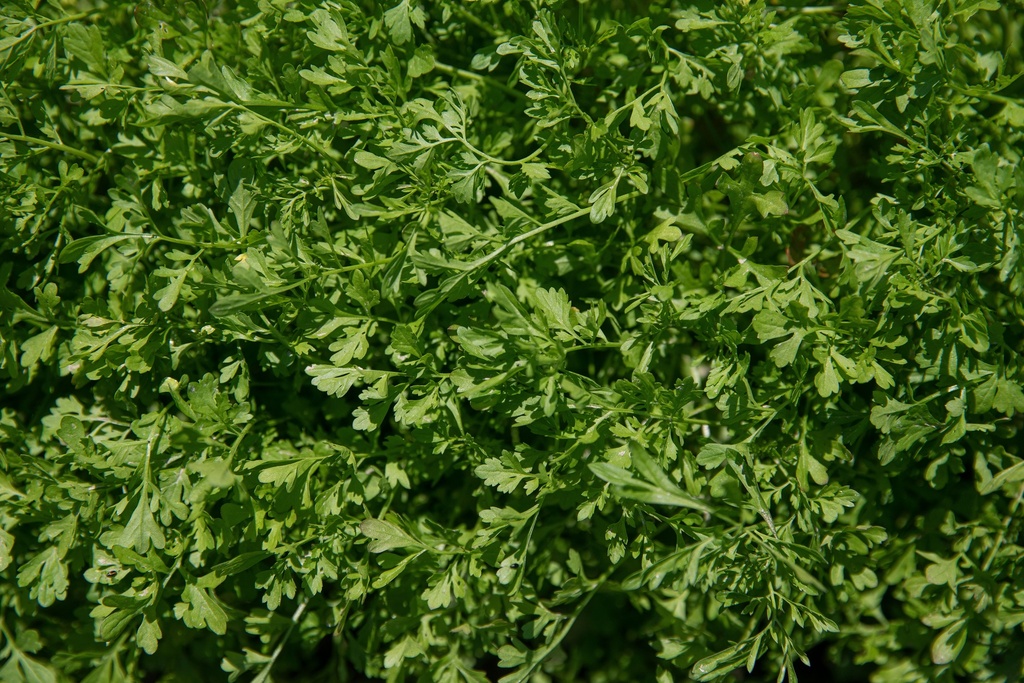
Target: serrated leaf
785, 352
168, 295
149, 634
369, 160
602, 203
201, 610
626, 486
856, 78
20, 668
422, 61
949, 643
385, 535
555, 306
47, 574
86, 249
140, 531
400, 19
770, 204
827, 381
942, 572
717, 664
243, 207
164, 68
1010, 475
86, 43
6, 549
38, 347
770, 324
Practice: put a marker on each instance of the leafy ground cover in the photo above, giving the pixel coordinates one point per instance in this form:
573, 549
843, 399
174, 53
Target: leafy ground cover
541, 341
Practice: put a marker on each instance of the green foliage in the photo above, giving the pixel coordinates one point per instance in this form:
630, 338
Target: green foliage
456, 341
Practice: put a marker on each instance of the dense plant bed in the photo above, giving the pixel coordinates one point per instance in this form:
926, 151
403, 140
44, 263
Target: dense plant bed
551, 341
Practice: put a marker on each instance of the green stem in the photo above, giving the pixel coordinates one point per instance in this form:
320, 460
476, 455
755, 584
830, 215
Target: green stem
52, 22
17, 117
540, 230
492, 159
522, 675
587, 347
65, 20
641, 96
170, 574
1010, 516
987, 96
53, 145
639, 413
476, 21
7, 635
473, 268
285, 129
456, 71
823, 9
284, 639
201, 245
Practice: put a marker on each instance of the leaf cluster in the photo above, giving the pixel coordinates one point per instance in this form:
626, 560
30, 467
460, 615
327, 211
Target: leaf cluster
512, 339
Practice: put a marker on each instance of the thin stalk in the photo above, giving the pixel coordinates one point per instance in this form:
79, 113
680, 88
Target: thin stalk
821, 9
56, 146
52, 22
285, 129
456, 71
265, 673
1010, 516
988, 96
524, 674
540, 229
